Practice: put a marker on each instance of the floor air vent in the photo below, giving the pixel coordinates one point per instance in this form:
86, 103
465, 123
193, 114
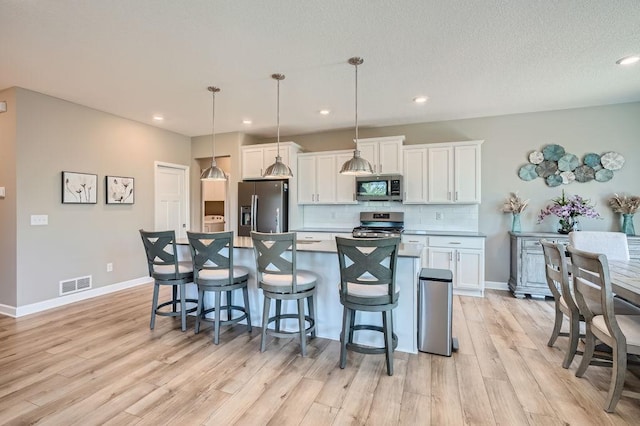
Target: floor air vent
75, 284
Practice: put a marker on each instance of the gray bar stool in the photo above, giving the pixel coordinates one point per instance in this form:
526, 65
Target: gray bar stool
165, 269
368, 283
214, 271
280, 279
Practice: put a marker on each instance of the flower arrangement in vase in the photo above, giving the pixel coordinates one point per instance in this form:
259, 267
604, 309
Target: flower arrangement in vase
515, 205
568, 209
627, 206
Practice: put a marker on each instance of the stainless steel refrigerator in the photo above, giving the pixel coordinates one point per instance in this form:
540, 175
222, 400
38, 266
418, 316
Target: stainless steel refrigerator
263, 206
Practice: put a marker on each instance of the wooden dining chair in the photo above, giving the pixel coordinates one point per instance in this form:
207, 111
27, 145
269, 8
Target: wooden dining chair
557, 274
612, 244
620, 332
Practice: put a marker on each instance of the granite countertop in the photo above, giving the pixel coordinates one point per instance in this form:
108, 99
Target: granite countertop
329, 246
406, 232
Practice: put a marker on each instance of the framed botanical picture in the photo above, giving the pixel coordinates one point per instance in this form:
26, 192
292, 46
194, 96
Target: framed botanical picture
79, 188
119, 189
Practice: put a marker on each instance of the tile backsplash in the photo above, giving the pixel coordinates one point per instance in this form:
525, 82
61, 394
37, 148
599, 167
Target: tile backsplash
416, 217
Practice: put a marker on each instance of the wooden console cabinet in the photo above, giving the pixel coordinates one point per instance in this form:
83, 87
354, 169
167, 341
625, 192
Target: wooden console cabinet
527, 275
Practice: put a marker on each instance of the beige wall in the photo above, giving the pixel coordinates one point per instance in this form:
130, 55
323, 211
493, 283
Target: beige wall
54, 135
508, 141
8, 293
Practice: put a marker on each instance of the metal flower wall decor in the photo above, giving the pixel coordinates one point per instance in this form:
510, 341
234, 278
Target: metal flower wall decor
558, 167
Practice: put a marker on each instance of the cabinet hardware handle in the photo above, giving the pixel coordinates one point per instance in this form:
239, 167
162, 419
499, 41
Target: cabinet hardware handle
313, 197
456, 199
449, 195
458, 253
450, 256
317, 197
455, 242
380, 167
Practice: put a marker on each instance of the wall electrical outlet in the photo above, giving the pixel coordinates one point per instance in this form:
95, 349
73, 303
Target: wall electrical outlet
438, 215
109, 267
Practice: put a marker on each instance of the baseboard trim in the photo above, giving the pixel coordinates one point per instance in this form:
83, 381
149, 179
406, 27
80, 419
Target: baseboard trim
33, 308
496, 285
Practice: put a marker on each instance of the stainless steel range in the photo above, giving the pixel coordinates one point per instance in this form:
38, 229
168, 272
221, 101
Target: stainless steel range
379, 225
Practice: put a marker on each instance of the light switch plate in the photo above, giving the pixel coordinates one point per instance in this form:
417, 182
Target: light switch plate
39, 219
3, 106
2, 192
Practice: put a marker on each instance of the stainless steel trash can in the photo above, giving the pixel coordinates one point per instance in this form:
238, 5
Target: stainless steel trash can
435, 302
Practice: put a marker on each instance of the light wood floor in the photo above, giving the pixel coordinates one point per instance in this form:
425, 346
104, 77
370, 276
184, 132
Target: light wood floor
97, 362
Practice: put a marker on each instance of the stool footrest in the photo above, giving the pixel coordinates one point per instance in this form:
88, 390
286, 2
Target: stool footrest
176, 313
228, 321
356, 347
276, 333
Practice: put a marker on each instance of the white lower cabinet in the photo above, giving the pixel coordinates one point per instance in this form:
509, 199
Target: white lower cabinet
313, 236
418, 239
464, 256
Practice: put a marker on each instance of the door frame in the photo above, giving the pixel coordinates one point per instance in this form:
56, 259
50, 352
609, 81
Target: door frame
187, 177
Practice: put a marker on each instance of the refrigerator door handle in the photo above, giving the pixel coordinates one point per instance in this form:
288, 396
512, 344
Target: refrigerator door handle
254, 199
278, 220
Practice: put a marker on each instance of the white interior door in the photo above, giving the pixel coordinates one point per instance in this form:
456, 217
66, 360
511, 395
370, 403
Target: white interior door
171, 198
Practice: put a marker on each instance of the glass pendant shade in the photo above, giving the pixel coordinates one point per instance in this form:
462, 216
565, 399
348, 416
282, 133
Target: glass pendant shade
278, 170
357, 165
213, 172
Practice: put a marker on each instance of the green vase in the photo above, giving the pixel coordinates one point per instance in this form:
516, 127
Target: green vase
627, 224
515, 224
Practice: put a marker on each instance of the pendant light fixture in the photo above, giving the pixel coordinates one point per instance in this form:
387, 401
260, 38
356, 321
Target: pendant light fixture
357, 165
214, 172
278, 170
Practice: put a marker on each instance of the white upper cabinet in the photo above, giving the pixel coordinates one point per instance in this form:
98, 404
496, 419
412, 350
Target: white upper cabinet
415, 175
256, 158
319, 181
453, 173
384, 154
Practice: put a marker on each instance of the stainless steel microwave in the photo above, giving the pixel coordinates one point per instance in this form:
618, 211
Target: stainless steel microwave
379, 188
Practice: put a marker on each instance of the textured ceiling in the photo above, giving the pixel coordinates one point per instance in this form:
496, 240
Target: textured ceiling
136, 58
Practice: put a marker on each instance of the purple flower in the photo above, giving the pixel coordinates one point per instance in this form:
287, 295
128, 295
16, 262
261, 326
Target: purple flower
568, 208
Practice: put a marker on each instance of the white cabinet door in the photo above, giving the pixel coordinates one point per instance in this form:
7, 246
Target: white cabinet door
390, 157
269, 156
306, 179
415, 175
345, 184
313, 236
467, 174
418, 239
469, 269
252, 163
326, 176
384, 154
442, 258
440, 175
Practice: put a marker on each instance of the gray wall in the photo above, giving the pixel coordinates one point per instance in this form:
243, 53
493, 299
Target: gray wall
8, 292
55, 135
508, 141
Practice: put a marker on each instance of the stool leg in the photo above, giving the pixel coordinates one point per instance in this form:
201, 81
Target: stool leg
387, 323
312, 314
301, 325
247, 310
352, 324
216, 322
175, 298
199, 310
343, 337
265, 323
154, 305
278, 312
229, 303
183, 308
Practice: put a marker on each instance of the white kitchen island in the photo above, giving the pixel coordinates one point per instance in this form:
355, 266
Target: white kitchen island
321, 257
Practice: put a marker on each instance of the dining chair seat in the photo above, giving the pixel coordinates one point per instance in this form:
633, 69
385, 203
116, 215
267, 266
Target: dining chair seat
629, 325
239, 273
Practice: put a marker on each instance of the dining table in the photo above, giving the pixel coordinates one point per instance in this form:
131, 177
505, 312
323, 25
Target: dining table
625, 279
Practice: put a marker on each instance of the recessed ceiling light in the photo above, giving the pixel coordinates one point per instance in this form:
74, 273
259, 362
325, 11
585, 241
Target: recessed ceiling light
628, 60
246, 121
325, 112
420, 99
158, 117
